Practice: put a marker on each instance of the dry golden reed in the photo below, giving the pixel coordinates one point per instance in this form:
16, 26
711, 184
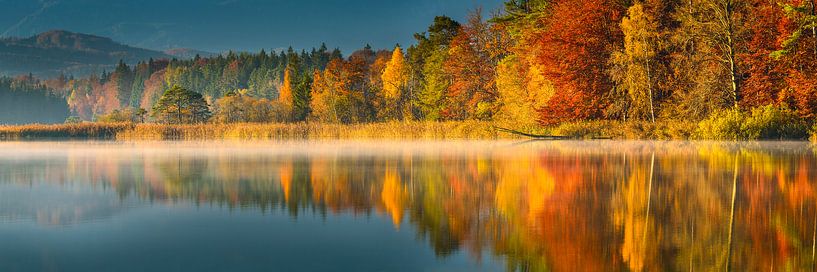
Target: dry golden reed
79, 131
252, 131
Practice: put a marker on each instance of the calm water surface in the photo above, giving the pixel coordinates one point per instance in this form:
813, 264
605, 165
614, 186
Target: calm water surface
407, 206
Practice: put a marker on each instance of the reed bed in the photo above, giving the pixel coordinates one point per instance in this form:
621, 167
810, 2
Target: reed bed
464, 130
277, 131
473, 130
63, 131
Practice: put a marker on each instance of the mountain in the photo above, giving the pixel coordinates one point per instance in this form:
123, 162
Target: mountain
57, 52
187, 53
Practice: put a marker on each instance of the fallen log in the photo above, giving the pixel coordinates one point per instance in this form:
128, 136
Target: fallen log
534, 136
544, 137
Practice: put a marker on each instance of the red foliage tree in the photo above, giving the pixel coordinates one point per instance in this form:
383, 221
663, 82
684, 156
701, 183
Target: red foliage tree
471, 63
765, 76
574, 51
798, 55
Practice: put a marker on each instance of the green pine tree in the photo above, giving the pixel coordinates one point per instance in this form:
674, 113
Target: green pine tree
180, 106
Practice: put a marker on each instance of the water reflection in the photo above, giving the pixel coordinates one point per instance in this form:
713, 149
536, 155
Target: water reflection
637, 206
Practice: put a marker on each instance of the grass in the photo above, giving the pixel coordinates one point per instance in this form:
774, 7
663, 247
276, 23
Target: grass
467, 130
244, 131
78, 131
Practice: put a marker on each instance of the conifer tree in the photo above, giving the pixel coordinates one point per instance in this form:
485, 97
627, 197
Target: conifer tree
180, 106
395, 79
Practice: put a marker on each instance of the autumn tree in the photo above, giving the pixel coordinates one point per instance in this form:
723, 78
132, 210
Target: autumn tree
333, 100
763, 76
707, 64
471, 64
798, 56
574, 52
127, 115
722, 29
395, 79
285, 95
522, 88
238, 106
521, 91
374, 79
362, 94
634, 69
431, 98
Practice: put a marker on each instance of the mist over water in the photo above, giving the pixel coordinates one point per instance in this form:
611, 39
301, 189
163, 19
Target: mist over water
406, 206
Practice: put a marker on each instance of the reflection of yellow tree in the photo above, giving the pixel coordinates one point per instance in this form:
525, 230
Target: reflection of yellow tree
522, 192
633, 216
543, 206
286, 173
394, 195
523, 187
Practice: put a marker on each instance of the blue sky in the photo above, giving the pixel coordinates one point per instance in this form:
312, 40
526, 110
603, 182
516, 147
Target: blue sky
247, 25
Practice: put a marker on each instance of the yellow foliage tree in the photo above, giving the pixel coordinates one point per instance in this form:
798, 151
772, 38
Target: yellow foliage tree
285, 94
395, 80
635, 66
522, 90
395, 77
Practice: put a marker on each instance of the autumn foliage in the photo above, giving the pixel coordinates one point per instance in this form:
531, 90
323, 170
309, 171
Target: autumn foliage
537, 62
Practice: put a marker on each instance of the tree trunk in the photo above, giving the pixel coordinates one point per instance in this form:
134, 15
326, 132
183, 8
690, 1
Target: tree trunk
732, 215
649, 200
814, 29
730, 39
649, 89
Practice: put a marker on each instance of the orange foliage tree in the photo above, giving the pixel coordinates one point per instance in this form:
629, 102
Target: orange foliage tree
574, 51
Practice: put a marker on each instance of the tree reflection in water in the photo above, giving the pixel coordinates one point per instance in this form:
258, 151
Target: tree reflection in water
639, 206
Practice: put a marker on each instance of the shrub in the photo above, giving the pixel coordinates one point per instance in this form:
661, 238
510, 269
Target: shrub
73, 120
763, 123
128, 115
814, 133
723, 125
771, 122
246, 109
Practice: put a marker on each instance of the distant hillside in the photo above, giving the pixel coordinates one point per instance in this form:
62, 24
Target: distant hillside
187, 53
50, 53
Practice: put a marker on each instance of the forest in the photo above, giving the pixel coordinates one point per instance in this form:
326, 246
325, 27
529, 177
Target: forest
535, 63
24, 100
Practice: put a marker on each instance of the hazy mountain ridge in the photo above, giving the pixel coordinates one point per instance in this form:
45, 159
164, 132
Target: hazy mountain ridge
57, 52
189, 53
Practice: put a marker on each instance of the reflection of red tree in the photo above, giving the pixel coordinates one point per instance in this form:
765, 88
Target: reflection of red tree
557, 210
574, 228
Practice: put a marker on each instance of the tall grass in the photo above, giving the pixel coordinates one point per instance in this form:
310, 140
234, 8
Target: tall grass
79, 131
279, 131
725, 126
247, 131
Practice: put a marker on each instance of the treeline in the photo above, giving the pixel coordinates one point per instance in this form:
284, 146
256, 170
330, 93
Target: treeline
26, 100
536, 62
142, 85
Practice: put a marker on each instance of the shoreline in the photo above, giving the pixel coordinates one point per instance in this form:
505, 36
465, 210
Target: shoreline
422, 130
466, 130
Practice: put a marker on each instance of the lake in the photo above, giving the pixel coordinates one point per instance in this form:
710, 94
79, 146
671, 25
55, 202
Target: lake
407, 206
